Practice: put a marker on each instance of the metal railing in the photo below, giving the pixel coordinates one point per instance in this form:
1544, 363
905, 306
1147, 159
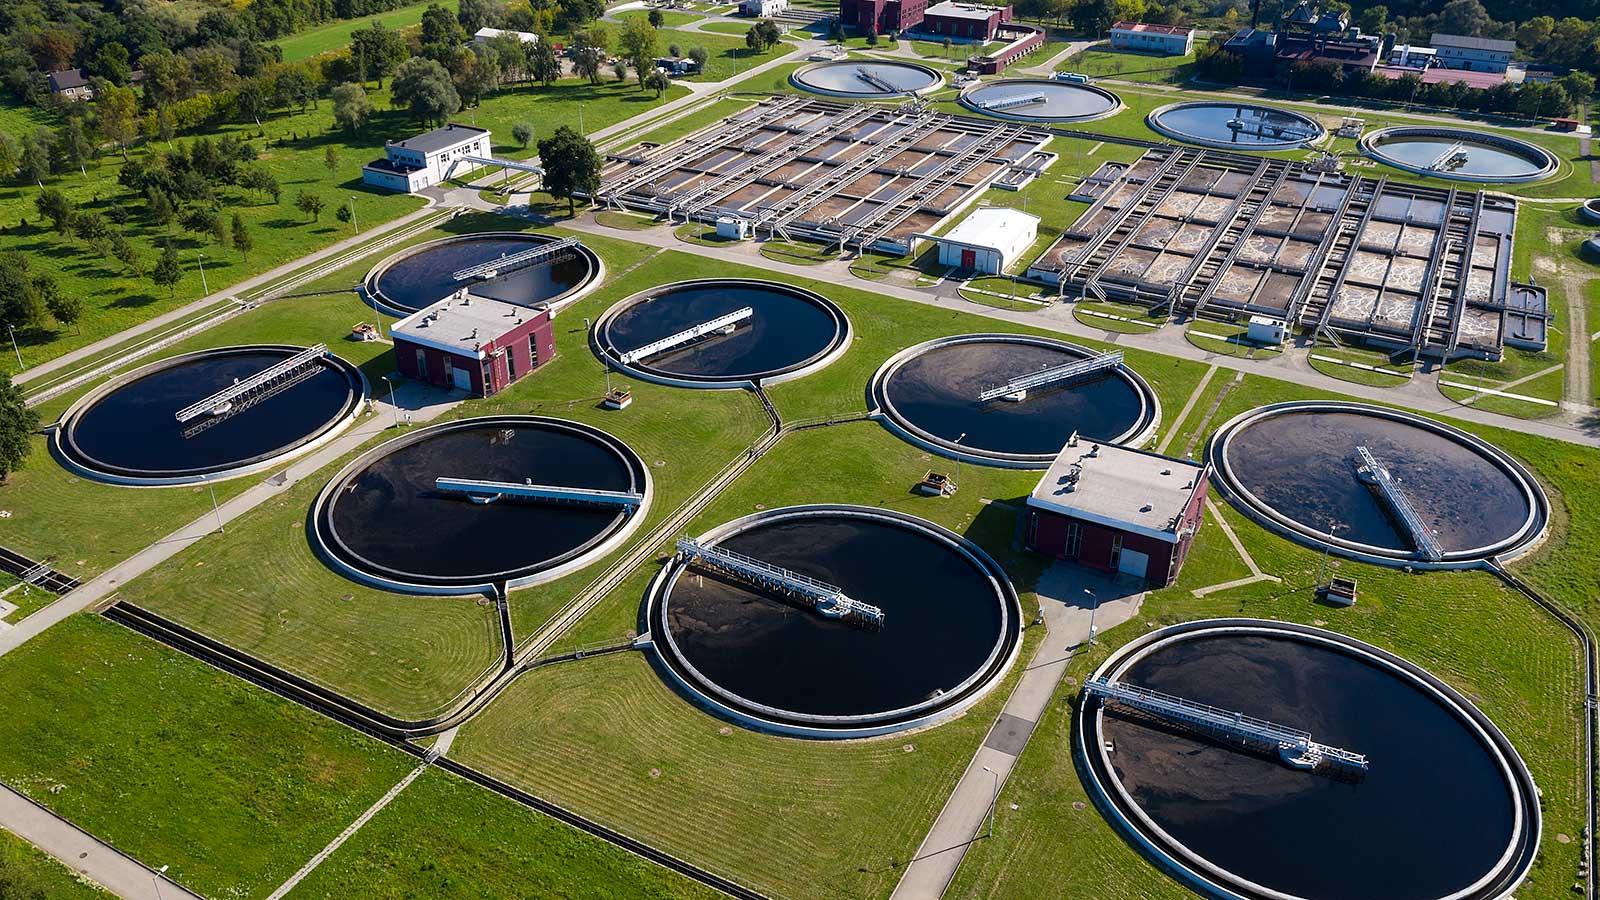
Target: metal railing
1399, 505
1054, 375
828, 600
483, 491
724, 323
510, 263
219, 402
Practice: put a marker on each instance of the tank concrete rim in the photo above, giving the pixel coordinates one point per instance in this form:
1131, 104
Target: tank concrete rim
610, 354
1154, 121
1115, 107
707, 693
797, 78
67, 453
1200, 872
369, 285
324, 537
883, 409
1524, 538
1590, 210
1372, 142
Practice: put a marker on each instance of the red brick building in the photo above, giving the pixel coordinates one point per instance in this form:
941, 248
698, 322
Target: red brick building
473, 343
964, 21
882, 16
1118, 510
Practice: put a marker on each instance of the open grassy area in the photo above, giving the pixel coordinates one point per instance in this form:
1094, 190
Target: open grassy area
798, 252
1122, 318
1359, 366
1230, 340
27, 874
336, 35
729, 55
1100, 61
178, 764
445, 838
669, 18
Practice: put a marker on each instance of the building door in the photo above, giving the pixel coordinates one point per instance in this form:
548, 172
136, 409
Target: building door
1133, 563
969, 259
422, 366
463, 378
511, 366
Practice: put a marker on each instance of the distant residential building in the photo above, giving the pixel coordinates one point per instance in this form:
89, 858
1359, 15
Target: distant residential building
71, 84
1140, 37
485, 35
427, 159
964, 21
1473, 54
763, 9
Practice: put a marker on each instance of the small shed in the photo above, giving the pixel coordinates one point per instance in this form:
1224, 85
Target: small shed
988, 240
473, 343
1266, 330
733, 228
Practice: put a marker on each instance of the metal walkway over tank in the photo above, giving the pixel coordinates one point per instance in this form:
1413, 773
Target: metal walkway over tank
1293, 746
877, 83
724, 323
481, 491
828, 600
1398, 504
494, 268
1013, 102
493, 161
1017, 388
222, 401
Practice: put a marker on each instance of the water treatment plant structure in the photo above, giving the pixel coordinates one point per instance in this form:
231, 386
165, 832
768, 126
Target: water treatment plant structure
521, 268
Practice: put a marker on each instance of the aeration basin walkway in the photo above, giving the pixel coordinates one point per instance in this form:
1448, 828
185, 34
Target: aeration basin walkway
494, 268
724, 324
828, 600
1017, 388
222, 400
489, 491
1294, 747
1399, 505
1013, 102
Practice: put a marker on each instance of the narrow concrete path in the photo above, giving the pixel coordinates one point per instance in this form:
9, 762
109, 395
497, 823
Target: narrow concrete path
1072, 49
1071, 600
1238, 547
83, 853
1183, 414
421, 402
1580, 388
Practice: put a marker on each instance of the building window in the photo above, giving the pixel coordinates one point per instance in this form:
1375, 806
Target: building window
511, 365
1116, 552
1074, 540
422, 365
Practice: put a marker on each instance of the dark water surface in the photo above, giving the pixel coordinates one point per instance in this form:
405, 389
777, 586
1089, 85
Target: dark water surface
1482, 159
1063, 101
424, 278
842, 78
943, 618
785, 331
1432, 815
1262, 125
1303, 464
132, 430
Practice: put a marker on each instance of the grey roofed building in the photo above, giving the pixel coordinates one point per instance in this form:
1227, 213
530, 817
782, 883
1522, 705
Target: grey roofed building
70, 83
441, 138
1440, 39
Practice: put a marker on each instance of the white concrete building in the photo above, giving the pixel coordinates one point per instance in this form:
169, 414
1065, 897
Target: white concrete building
987, 241
485, 35
1141, 37
1473, 54
1414, 55
427, 159
763, 9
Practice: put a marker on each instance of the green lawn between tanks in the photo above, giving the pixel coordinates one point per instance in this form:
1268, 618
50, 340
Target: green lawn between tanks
729, 55
670, 19
178, 764
1094, 313
1100, 61
32, 875
1221, 337
115, 300
606, 737
1391, 374
1509, 657
445, 838
336, 35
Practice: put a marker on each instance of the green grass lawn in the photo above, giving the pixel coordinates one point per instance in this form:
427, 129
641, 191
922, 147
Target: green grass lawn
1220, 337
1122, 318
802, 253
28, 874
669, 18
336, 35
178, 764
445, 838
729, 55
1329, 360
1100, 61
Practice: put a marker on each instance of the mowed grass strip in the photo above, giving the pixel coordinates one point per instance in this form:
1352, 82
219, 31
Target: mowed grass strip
28, 874
178, 764
445, 838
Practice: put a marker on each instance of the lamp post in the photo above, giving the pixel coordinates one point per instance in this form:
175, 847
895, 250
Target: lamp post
215, 510
994, 799
958, 459
395, 409
204, 288
1094, 607
354, 226
155, 880
14, 348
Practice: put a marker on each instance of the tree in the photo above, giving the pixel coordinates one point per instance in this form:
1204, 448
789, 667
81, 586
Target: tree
74, 148
351, 106
657, 81
65, 308
20, 304
872, 36
54, 205
1373, 18
343, 214
439, 28
424, 87
656, 19
127, 254
17, 424
1578, 85
587, 56
117, 116
699, 56
638, 43
522, 133
111, 63
476, 14
242, 239
543, 65
310, 204
93, 229
1465, 17
377, 51
571, 166
159, 207
259, 178
168, 271
36, 151
201, 220
619, 68
10, 155
481, 76
1093, 17
330, 160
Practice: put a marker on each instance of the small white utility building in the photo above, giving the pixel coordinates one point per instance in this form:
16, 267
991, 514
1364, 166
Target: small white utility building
415, 163
763, 9
485, 35
987, 241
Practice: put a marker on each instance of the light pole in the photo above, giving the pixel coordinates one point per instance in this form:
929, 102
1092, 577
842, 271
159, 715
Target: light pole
994, 800
958, 459
204, 288
14, 347
215, 510
1094, 607
354, 226
155, 880
395, 409
580, 119
1333, 527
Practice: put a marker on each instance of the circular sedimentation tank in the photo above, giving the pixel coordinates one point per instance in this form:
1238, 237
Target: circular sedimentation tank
789, 332
929, 395
420, 276
1445, 809
1041, 100
950, 624
1295, 468
1590, 211
1235, 126
867, 79
127, 431
1459, 154
383, 519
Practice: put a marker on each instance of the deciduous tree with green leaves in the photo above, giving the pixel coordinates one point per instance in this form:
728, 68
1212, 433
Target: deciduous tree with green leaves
17, 425
571, 166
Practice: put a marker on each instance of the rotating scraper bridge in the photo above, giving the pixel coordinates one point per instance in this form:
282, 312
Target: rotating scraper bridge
828, 600
1017, 388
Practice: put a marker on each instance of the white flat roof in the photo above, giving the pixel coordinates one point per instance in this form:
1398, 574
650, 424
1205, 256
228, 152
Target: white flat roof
1135, 491
993, 227
462, 326
952, 10
489, 34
